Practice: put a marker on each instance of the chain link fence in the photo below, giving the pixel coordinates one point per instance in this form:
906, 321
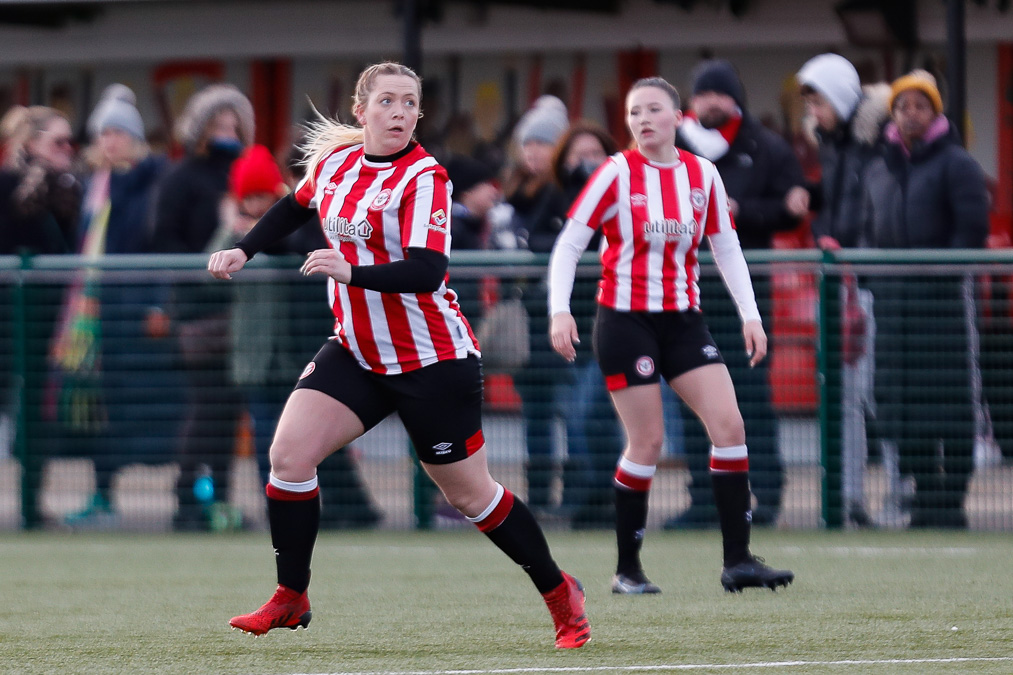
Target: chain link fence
139, 394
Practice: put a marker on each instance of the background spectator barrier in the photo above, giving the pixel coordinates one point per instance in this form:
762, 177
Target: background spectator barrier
97, 386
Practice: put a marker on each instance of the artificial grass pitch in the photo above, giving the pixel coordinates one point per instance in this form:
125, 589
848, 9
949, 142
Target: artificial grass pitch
438, 602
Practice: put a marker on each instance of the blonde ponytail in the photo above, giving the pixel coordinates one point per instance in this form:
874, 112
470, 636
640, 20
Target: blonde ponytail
323, 136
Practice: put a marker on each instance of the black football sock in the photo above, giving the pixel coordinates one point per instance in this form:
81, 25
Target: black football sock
294, 527
631, 521
632, 483
731, 494
509, 524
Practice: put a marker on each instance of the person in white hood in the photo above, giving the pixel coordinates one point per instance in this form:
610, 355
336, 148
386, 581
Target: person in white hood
848, 125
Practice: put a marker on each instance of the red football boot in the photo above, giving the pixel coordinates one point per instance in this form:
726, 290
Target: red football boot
566, 604
285, 609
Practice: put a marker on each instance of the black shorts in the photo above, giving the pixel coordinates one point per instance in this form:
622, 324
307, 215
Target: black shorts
635, 348
440, 405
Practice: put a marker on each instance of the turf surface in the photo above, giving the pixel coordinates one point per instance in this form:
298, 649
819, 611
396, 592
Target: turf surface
446, 601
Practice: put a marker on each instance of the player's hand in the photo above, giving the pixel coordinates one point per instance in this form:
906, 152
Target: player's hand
796, 202
828, 243
224, 263
756, 342
563, 335
328, 261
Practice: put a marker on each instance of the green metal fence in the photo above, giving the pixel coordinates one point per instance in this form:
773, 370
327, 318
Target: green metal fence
137, 393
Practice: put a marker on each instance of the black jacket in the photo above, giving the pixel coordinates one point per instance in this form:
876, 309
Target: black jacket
845, 153
936, 198
40, 219
758, 170
187, 210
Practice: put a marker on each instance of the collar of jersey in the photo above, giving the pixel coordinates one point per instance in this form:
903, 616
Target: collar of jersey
387, 159
662, 165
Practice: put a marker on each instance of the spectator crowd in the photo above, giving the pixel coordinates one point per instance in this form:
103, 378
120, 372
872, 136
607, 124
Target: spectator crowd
891, 173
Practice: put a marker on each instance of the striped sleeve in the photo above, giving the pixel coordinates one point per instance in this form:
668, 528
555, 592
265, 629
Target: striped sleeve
719, 216
306, 191
597, 197
426, 212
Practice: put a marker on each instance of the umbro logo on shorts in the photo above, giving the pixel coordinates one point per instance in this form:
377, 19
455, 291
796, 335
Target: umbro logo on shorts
710, 351
442, 448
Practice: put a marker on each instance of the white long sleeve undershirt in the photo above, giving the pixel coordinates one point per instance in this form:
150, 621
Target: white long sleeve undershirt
569, 246
732, 267
575, 237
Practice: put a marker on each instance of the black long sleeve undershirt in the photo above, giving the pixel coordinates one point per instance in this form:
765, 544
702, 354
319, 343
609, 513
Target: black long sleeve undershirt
285, 217
422, 271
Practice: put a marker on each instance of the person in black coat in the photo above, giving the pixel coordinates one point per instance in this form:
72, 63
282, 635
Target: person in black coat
39, 203
764, 183
216, 126
926, 192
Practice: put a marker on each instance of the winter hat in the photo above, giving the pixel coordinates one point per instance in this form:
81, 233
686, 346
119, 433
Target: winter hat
255, 171
917, 80
465, 173
116, 109
205, 104
546, 121
720, 76
833, 77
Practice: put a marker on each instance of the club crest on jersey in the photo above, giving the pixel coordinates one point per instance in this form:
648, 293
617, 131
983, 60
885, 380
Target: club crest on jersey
438, 221
698, 199
342, 228
638, 199
381, 200
645, 366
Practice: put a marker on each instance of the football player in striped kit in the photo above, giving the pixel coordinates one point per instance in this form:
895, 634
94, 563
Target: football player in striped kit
654, 204
401, 345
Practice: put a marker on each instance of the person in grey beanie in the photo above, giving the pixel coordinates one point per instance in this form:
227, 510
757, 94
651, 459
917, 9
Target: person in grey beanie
538, 213
115, 218
116, 109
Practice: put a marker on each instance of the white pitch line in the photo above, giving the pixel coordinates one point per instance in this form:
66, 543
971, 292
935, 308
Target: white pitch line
677, 667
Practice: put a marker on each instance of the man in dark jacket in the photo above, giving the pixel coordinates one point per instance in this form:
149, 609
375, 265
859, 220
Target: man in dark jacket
926, 192
849, 123
764, 183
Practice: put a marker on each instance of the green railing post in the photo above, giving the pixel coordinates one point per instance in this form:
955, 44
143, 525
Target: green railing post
423, 493
23, 430
829, 364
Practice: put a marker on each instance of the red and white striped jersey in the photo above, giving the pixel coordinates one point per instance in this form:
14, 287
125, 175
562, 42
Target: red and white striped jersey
372, 212
653, 218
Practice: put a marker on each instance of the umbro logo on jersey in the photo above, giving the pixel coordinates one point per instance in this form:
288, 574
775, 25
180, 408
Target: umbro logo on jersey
331, 187
442, 448
638, 199
381, 200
